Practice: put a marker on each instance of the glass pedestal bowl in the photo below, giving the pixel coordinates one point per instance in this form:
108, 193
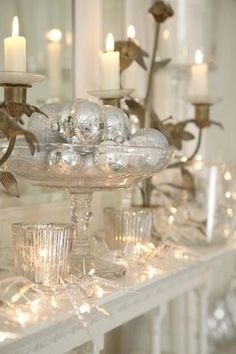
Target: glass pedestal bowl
81, 170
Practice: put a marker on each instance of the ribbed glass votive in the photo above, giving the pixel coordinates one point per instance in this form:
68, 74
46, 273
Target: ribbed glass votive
126, 227
42, 251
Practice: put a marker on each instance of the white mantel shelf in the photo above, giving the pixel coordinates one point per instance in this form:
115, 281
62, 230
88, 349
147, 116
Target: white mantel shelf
148, 297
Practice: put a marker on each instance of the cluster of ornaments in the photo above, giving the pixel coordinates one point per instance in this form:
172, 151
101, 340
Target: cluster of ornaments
81, 124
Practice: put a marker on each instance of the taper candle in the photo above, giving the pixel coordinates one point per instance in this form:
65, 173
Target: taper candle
110, 66
15, 49
199, 73
54, 62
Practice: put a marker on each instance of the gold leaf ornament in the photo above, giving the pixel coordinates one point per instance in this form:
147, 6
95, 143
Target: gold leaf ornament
16, 110
9, 182
161, 11
188, 180
11, 129
129, 52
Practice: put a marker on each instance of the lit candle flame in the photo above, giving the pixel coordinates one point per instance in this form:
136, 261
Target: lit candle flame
131, 32
15, 27
110, 45
198, 57
54, 35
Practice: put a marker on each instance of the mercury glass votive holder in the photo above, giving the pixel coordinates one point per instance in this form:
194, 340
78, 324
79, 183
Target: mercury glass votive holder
126, 227
42, 251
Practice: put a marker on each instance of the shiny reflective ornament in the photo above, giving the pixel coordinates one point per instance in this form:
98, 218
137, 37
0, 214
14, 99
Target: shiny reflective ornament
117, 125
64, 162
153, 136
150, 138
109, 159
81, 122
46, 129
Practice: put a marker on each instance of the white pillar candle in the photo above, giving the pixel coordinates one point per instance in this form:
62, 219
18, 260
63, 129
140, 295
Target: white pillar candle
54, 62
110, 66
15, 49
199, 73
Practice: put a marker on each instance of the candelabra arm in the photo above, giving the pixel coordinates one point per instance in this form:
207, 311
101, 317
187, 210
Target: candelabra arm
184, 163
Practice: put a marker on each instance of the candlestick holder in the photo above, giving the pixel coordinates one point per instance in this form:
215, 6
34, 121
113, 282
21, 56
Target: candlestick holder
111, 97
15, 86
202, 106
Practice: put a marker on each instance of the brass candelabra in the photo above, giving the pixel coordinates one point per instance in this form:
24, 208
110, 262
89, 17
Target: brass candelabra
15, 85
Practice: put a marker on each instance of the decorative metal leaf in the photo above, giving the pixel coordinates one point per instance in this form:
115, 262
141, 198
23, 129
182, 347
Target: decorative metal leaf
161, 63
11, 129
9, 183
187, 136
177, 134
158, 124
16, 110
129, 52
161, 11
188, 180
220, 125
136, 108
29, 110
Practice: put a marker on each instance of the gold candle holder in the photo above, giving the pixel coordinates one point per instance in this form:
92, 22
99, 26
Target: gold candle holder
202, 107
111, 97
15, 85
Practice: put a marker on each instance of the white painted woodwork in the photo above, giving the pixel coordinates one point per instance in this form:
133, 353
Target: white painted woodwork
123, 306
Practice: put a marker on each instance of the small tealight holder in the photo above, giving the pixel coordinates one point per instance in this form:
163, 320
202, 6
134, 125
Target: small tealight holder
42, 251
126, 227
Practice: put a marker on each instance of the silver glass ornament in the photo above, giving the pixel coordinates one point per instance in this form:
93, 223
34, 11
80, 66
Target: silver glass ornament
140, 141
109, 159
45, 128
117, 125
150, 137
81, 122
156, 138
64, 162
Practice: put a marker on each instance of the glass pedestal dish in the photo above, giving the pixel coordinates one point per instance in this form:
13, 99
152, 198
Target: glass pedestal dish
82, 170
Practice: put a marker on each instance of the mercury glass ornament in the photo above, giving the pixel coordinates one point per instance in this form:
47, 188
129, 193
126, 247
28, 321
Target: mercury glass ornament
117, 125
108, 159
154, 136
64, 162
81, 122
45, 128
150, 137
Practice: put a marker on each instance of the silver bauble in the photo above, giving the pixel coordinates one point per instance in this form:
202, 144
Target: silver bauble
117, 125
81, 122
64, 162
109, 159
45, 128
150, 139
156, 138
